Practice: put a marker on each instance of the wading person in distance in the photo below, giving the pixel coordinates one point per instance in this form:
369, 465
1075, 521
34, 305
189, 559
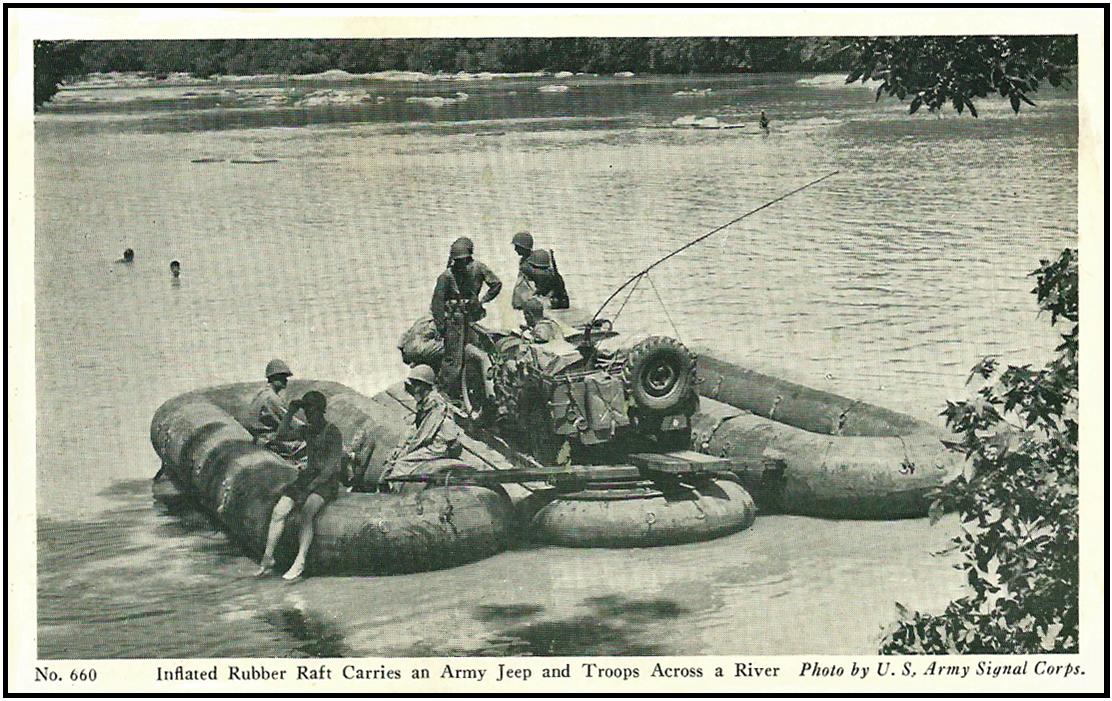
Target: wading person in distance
269, 407
317, 483
434, 436
455, 306
175, 268
764, 121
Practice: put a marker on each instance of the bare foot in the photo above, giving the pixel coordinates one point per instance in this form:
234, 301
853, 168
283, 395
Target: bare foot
294, 572
266, 568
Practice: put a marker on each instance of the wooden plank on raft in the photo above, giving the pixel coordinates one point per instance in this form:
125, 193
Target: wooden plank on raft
680, 462
581, 473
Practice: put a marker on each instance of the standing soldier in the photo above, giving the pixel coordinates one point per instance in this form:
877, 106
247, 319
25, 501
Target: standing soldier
523, 289
456, 305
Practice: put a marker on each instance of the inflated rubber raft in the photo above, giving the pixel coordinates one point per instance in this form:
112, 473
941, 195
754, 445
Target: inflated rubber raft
610, 509
641, 514
208, 454
837, 458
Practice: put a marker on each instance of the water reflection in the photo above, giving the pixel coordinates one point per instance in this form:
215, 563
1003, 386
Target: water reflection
309, 635
614, 625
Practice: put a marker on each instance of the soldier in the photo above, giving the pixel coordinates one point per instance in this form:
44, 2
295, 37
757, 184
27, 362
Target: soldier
523, 288
455, 306
269, 407
537, 328
544, 281
434, 436
523, 246
317, 483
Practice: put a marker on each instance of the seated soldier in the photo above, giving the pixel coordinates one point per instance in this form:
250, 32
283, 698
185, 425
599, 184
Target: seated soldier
316, 484
269, 407
537, 328
434, 439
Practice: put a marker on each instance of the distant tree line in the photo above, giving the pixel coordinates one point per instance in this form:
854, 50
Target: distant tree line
931, 71
674, 55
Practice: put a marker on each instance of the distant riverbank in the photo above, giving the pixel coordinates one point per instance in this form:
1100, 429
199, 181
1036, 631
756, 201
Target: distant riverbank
141, 79
602, 55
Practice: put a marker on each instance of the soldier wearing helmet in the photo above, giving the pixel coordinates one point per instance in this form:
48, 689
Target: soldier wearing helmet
460, 284
269, 407
456, 305
523, 246
523, 288
434, 438
541, 279
537, 328
316, 484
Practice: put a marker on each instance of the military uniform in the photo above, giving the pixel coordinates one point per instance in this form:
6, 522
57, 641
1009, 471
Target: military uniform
268, 408
538, 277
455, 306
433, 439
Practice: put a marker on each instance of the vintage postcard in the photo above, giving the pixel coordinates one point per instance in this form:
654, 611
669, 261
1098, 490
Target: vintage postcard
540, 351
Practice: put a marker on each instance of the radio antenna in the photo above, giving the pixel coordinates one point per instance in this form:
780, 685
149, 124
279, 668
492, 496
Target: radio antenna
689, 244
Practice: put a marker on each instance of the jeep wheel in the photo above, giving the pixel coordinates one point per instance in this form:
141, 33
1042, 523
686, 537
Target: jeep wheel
659, 374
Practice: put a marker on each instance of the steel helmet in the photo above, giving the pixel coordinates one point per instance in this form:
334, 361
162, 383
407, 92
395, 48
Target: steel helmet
523, 239
462, 248
422, 373
540, 258
315, 399
276, 368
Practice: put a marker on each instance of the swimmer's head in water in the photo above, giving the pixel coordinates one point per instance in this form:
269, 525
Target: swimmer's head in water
175, 268
129, 255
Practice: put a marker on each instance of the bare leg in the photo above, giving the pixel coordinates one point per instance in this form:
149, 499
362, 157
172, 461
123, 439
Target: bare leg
308, 516
277, 524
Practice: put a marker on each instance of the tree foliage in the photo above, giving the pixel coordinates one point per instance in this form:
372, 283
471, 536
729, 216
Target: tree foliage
1017, 501
936, 70
671, 55
932, 71
55, 62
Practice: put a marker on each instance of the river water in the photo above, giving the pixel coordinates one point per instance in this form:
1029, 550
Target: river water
884, 283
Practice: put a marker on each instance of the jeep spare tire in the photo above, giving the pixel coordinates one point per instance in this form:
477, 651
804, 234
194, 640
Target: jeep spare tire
659, 374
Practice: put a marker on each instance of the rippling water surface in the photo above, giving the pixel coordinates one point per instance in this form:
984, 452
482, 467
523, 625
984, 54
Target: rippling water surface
885, 283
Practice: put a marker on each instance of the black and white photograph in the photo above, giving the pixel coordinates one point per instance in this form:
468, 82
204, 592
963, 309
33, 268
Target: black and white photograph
561, 353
